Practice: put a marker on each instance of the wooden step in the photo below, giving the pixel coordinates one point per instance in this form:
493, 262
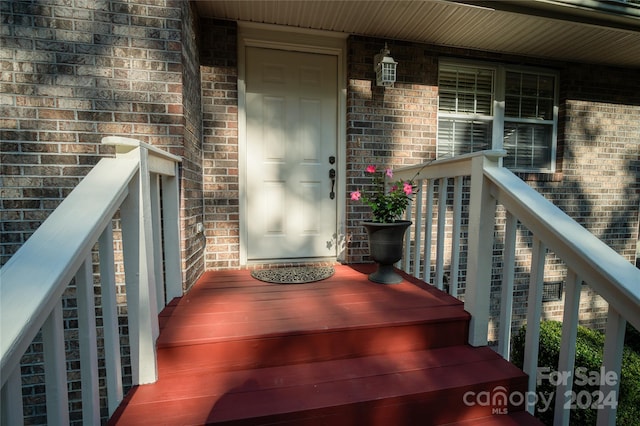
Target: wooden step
236, 322
319, 344
420, 387
235, 306
343, 351
518, 418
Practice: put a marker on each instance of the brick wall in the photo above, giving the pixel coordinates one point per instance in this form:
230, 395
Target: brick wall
192, 242
70, 76
220, 145
598, 183
72, 73
598, 155
389, 127
601, 168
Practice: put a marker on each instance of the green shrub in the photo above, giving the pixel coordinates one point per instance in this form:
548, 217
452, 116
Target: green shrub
589, 346
632, 338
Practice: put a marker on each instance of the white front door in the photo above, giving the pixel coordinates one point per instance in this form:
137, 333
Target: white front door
291, 110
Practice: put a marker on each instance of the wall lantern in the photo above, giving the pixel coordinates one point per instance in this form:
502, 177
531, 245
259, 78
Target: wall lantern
385, 68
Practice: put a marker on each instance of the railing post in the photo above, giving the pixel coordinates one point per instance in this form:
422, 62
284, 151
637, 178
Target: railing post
482, 208
139, 274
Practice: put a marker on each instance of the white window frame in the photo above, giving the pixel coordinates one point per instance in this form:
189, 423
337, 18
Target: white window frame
498, 107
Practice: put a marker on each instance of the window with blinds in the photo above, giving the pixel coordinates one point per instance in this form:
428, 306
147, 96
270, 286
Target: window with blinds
477, 104
465, 110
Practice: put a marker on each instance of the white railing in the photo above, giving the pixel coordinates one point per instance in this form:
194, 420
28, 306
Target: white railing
142, 184
586, 258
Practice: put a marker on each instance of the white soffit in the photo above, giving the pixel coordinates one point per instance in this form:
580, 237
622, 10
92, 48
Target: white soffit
557, 35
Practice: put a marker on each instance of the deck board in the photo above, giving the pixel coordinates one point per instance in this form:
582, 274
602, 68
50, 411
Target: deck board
232, 305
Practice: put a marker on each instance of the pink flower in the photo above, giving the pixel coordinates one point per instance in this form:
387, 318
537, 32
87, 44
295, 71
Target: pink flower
393, 188
355, 195
407, 188
389, 173
371, 169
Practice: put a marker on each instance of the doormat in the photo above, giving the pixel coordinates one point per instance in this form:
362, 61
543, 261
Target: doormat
293, 275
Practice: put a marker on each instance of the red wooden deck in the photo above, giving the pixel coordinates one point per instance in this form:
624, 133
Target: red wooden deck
344, 351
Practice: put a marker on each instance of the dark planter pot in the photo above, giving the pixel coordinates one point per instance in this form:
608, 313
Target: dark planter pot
385, 248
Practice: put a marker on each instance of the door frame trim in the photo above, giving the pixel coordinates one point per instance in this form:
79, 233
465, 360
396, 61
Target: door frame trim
307, 41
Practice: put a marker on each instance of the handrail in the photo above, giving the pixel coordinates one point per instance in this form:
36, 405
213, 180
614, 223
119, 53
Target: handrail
446, 167
609, 274
25, 302
586, 258
34, 279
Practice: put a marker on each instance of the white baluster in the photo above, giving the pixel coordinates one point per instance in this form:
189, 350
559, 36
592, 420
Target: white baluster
88, 343
171, 229
567, 357
506, 299
534, 311
612, 366
418, 231
113, 362
455, 235
156, 235
407, 240
55, 368
442, 223
11, 399
428, 230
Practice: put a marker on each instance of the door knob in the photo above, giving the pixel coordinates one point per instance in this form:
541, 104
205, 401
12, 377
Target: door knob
332, 176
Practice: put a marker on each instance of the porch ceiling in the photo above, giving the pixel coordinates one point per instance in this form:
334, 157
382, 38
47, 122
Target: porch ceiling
562, 30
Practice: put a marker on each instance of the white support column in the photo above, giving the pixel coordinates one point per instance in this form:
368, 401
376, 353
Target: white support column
567, 357
482, 207
88, 343
534, 311
506, 299
172, 242
55, 368
455, 235
440, 239
113, 361
11, 400
612, 365
139, 276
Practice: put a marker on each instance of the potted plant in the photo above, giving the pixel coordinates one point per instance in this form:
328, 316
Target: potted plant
388, 202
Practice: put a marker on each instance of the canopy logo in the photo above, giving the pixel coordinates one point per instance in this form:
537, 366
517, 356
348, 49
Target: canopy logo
500, 398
